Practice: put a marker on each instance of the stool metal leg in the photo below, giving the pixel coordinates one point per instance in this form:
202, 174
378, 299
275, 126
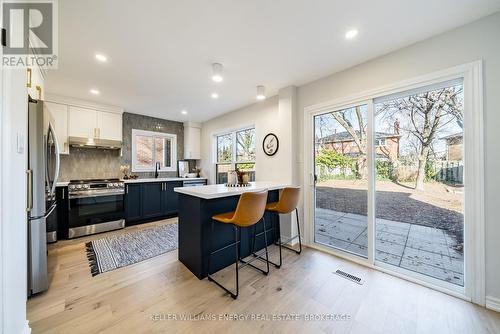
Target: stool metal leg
298, 235
236, 262
257, 256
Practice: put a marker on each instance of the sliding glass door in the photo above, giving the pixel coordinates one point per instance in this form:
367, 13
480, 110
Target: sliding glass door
420, 181
341, 164
389, 186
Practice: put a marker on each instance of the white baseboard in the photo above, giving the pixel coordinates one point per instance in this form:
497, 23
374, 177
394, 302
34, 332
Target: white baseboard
493, 303
27, 328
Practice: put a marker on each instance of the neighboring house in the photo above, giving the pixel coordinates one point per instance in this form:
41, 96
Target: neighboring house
387, 144
454, 146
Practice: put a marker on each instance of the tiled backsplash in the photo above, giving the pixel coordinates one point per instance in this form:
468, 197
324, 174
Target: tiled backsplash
88, 163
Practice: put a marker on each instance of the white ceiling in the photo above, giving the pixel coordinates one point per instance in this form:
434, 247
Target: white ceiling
160, 52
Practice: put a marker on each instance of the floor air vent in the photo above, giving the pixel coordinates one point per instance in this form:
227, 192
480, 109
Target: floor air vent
348, 276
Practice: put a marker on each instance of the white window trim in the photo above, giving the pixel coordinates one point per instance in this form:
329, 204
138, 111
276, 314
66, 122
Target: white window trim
173, 152
474, 238
233, 161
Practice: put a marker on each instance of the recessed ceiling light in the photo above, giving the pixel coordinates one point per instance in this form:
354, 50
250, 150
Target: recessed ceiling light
215, 96
95, 91
184, 112
102, 58
261, 93
217, 72
350, 34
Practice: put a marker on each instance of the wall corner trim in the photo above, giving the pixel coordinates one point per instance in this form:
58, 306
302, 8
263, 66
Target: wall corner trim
493, 303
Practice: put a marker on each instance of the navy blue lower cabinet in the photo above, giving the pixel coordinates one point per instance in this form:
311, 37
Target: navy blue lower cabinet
152, 206
171, 198
133, 202
150, 200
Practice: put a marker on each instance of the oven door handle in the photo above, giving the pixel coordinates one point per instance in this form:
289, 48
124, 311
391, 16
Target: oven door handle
95, 195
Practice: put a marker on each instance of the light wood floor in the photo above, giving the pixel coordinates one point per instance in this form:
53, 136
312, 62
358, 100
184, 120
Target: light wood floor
126, 300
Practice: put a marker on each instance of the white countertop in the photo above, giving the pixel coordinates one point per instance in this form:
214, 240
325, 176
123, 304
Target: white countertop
164, 179
160, 179
220, 190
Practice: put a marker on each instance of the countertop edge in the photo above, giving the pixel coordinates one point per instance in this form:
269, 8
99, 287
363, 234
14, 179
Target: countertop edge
232, 192
164, 179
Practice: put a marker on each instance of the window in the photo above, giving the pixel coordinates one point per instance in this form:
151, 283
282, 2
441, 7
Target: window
149, 148
380, 142
235, 150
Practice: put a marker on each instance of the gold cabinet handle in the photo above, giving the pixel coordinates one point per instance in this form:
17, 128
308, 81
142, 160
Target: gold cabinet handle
28, 84
39, 90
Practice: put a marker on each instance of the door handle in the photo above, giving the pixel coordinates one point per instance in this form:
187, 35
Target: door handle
63, 191
29, 175
126, 189
29, 72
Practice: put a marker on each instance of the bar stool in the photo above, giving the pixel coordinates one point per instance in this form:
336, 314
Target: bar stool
287, 203
249, 211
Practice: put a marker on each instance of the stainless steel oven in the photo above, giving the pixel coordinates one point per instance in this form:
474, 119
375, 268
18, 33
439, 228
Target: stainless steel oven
95, 206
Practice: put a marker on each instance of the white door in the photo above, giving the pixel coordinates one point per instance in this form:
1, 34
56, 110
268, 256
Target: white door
109, 125
82, 122
59, 113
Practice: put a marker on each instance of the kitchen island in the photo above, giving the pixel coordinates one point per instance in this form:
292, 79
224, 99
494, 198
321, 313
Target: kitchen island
196, 207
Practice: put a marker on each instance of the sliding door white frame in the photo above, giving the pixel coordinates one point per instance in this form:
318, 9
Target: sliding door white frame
474, 231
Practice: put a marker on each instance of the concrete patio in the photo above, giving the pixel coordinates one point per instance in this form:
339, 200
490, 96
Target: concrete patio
421, 249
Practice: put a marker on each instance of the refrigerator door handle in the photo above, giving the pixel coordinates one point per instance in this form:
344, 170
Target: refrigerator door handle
58, 159
29, 176
52, 208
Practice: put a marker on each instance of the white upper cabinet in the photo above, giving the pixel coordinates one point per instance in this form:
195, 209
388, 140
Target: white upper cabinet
98, 124
109, 125
192, 140
59, 113
82, 122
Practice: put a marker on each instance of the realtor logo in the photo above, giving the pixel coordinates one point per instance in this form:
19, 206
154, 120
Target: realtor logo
31, 37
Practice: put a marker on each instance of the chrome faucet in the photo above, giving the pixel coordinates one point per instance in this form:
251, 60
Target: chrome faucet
157, 168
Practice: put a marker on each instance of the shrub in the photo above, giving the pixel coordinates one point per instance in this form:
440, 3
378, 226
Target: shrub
333, 165
385, 169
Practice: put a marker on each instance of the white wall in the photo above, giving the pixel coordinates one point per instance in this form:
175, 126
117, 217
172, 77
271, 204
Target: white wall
478, 40
14, 122
266, 116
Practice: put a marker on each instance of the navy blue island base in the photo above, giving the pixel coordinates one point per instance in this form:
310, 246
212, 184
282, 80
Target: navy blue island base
195, 219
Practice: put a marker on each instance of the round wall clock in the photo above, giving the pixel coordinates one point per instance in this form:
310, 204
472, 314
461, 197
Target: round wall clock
270, 144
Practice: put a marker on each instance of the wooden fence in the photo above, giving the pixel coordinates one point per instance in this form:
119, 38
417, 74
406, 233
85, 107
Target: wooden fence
448, 171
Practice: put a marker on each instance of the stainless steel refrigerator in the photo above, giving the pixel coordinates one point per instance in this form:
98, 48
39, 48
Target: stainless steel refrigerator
42, 174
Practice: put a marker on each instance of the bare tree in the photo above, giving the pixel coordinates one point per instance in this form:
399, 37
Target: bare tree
245, 141
358, 135
426, 114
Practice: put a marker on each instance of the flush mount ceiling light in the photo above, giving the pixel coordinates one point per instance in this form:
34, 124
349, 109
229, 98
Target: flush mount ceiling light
350, 34
214, 96
100, 57
95, 91
261, 93
184, 112
217, 72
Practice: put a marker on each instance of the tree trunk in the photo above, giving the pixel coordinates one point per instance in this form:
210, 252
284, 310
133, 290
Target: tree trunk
422, 161
362, 167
